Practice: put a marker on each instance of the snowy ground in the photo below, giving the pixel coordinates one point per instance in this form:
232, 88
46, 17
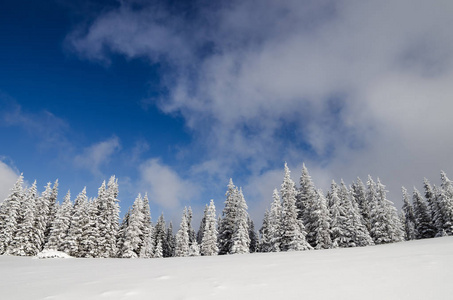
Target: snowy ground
410, 270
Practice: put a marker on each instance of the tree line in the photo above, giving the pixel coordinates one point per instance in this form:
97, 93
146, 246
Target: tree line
299, 218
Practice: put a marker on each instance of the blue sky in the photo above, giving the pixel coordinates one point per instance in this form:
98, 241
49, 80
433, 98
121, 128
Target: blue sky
175, 97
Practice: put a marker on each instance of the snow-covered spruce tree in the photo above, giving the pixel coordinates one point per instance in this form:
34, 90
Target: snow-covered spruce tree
170, 242
253, 236
102, 220
372, 202
443, 214
160, 234
191, 231
227, 225
409, 218
241, 238
132, 235
182, 237
430, 197
60, 225
439, 214
146, 249
433, 195
363, 200
42, 215
386, 225
424, 227
321, 223
113, 209
24, 243
9, 212
305, 202
209, 242
275, 223
53, 207
108, 218
202, 226
445, 200
265, 238
72, 244
292, 229
89, 244
359, 234
121, 233
340, 235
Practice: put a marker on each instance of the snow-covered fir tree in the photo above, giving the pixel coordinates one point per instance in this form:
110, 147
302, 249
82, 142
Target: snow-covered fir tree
386, 225
89, 245
227, 225
265, 238
430, 198
24, 242
108, 218
445, 202
359, 234
241, 238
191, 231
132, 233
275, 223
424, 227
292, 229
305, 202
121, 233
182, 237
202, 225
409, 218
321, 223
364, 198
160, 234
170, 242
441, 214
53, 207
209, 242
340, 235
73, 239
146, 248
253, 236
60, 225
42, 215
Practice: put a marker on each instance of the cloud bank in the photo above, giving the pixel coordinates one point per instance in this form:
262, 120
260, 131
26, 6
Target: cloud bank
350, 87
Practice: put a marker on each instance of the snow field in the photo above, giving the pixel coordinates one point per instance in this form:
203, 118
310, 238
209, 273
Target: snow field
419, 269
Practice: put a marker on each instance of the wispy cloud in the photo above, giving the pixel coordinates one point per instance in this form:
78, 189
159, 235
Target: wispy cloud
95, 156
49, 130
165, 186
355, 87
8, 176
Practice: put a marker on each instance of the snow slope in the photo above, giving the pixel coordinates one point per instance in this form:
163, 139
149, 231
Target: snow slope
410, 270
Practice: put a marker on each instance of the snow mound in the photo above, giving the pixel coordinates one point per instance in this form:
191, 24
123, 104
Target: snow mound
52, 254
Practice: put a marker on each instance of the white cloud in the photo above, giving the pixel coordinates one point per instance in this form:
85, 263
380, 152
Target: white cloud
8, 177
165, 186
98, 154
352, 87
